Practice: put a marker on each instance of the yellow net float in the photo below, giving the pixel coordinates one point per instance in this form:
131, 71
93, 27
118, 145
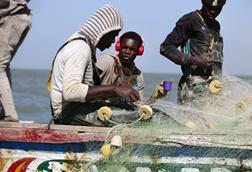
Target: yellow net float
241, 105
215, 86
145, 111
191, 124
104, 111
106, 150
110, 149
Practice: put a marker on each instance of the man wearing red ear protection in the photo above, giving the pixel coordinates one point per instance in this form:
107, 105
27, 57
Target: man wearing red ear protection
120, 69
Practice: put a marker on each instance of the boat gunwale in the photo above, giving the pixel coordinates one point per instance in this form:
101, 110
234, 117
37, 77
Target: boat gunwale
41, 133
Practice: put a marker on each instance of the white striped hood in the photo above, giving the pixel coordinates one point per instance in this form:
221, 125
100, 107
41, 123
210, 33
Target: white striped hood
101, 22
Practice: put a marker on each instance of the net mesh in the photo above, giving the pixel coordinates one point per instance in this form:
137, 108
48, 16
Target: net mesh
228, 112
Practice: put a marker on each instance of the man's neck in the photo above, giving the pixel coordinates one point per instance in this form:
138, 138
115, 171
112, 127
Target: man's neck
128, 69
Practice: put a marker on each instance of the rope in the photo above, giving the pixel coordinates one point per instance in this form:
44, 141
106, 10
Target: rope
117, 125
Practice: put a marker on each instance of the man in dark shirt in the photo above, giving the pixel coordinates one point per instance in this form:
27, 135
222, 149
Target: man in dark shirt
201, 55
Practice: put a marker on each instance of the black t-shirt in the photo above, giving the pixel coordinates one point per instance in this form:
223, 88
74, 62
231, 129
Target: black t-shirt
191, 26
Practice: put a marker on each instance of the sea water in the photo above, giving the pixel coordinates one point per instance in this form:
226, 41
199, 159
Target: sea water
32, 99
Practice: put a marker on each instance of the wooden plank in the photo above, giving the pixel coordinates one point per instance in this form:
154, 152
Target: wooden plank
46, 136
91, 129
50, 136
54, 127
34, 132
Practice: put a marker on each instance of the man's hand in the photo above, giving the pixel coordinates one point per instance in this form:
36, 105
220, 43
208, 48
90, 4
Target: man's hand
127, 92
202, 61
159, 91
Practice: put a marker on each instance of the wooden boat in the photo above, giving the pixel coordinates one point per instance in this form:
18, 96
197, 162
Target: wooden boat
26, 147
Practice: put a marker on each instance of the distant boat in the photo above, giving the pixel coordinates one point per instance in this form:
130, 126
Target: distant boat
27, 147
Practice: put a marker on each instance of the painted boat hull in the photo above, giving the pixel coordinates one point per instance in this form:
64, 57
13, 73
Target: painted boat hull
34, 147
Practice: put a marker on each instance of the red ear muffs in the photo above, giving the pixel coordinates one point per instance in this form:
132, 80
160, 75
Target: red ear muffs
118, 45
140, 50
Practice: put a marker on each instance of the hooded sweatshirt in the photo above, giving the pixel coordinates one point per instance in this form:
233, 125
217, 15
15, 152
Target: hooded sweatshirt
72, 69
10, 7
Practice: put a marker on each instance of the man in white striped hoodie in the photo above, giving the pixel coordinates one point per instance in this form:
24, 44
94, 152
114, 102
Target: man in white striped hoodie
74, 84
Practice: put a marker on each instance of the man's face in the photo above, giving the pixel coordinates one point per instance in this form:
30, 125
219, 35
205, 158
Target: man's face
107, 40
128, 51
210, 12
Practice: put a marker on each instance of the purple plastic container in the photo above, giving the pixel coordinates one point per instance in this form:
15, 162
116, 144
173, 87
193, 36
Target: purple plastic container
167, 85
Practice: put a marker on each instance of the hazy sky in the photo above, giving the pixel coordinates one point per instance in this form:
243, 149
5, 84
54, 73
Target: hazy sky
55, 20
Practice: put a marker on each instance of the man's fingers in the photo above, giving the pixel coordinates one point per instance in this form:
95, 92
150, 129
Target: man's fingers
134, 96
